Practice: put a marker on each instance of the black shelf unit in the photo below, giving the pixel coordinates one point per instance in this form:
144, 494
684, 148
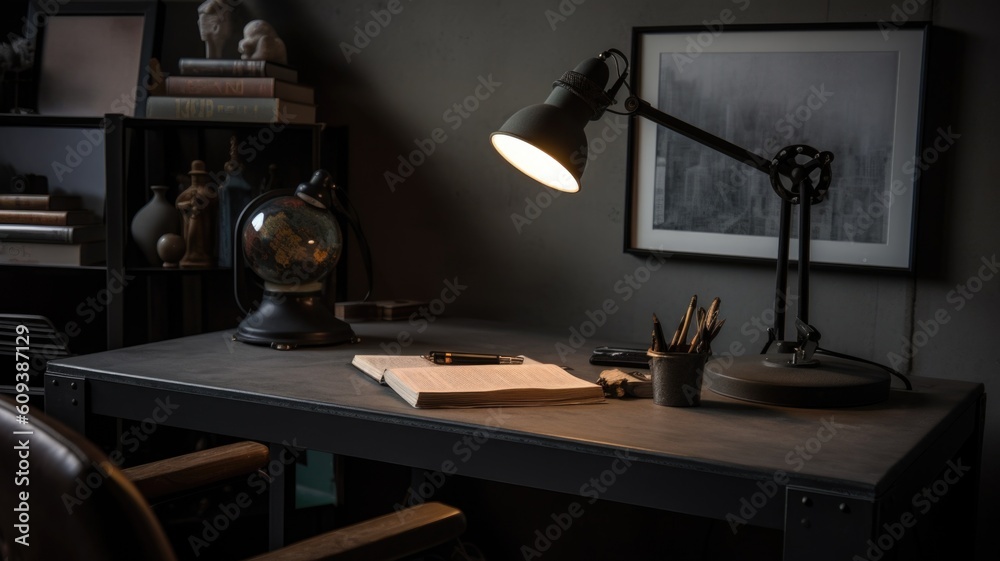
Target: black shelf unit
137, 153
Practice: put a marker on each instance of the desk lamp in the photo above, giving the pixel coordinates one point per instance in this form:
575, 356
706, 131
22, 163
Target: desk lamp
292, 242
548, 143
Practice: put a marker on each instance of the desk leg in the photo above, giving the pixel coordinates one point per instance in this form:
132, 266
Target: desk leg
66, 400
276, 500
820, 525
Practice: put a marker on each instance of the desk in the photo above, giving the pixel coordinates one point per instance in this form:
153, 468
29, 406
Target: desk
831, 479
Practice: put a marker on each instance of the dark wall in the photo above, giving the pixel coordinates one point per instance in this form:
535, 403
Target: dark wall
451, 219
449, 222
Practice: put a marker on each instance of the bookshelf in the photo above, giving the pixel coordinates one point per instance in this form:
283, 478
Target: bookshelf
112, 162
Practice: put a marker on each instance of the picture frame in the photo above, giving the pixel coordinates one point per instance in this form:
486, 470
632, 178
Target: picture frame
853, 90
94, 58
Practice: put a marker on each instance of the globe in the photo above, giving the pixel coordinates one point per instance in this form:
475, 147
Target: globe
291, 244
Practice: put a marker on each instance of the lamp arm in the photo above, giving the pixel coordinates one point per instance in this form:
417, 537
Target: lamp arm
642, 108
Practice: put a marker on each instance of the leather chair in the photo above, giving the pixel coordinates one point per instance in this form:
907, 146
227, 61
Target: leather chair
66, 500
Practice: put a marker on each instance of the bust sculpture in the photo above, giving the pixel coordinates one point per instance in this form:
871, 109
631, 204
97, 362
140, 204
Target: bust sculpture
199, 206
215, 26
261, 42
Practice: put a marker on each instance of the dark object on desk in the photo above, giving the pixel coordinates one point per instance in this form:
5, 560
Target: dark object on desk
449, 357
618, 383
114, 522
677, 378
356, 311
619, 356
393, 310
292, 242
28, 184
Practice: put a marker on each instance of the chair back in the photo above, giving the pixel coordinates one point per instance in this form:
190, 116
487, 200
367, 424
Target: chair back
64, 499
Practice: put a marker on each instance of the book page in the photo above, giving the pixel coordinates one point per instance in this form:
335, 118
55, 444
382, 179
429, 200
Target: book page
487, 377
376, 365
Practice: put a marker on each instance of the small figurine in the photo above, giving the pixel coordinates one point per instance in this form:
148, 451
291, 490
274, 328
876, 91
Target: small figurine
215, 26
261, 42
199, 206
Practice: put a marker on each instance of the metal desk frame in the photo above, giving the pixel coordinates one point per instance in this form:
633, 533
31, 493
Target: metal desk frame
702, 461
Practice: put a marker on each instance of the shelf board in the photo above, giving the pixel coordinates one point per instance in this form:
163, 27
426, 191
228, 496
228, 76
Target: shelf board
18, 120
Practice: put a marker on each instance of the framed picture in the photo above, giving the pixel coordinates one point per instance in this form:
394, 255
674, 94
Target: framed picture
854, 91
93, 58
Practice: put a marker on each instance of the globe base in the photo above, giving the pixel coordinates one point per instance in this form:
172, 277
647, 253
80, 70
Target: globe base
288, 320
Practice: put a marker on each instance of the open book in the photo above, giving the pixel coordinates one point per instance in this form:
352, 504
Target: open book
425, 384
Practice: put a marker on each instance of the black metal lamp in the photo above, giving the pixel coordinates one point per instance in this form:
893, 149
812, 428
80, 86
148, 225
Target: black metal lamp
547, 142
292, 242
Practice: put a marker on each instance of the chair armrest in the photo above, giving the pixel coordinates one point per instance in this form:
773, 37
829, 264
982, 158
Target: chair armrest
183, 473
390, 536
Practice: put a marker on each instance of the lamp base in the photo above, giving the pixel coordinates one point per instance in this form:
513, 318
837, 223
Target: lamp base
770, 379
286, 320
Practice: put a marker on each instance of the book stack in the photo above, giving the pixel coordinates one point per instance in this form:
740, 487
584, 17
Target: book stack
253, 91
49, 230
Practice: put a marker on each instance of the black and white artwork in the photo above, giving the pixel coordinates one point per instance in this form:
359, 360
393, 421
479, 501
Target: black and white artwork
854, 92
843, 102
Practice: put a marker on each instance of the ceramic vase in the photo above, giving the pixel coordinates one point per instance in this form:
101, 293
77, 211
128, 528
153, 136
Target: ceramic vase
156, 218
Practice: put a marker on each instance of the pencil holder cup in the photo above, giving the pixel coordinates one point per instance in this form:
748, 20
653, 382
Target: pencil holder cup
677, 378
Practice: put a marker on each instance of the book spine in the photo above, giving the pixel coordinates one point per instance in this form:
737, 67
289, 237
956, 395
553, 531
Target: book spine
52, 254
220, 87
212, 108
247, 109
37, 202
50, 234
221, 67
43, 217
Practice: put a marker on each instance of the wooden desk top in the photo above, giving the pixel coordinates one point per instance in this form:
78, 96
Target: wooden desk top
859, 450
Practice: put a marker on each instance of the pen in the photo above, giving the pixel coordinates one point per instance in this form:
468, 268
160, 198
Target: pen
448, 357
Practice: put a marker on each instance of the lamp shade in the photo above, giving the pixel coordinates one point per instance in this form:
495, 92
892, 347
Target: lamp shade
542, 141
547, 141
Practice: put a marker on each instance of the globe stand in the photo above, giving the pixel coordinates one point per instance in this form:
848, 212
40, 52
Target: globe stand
293, 310
286, 320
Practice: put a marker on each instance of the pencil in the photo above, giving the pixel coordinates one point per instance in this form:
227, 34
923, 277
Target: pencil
682, 331
659, 343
